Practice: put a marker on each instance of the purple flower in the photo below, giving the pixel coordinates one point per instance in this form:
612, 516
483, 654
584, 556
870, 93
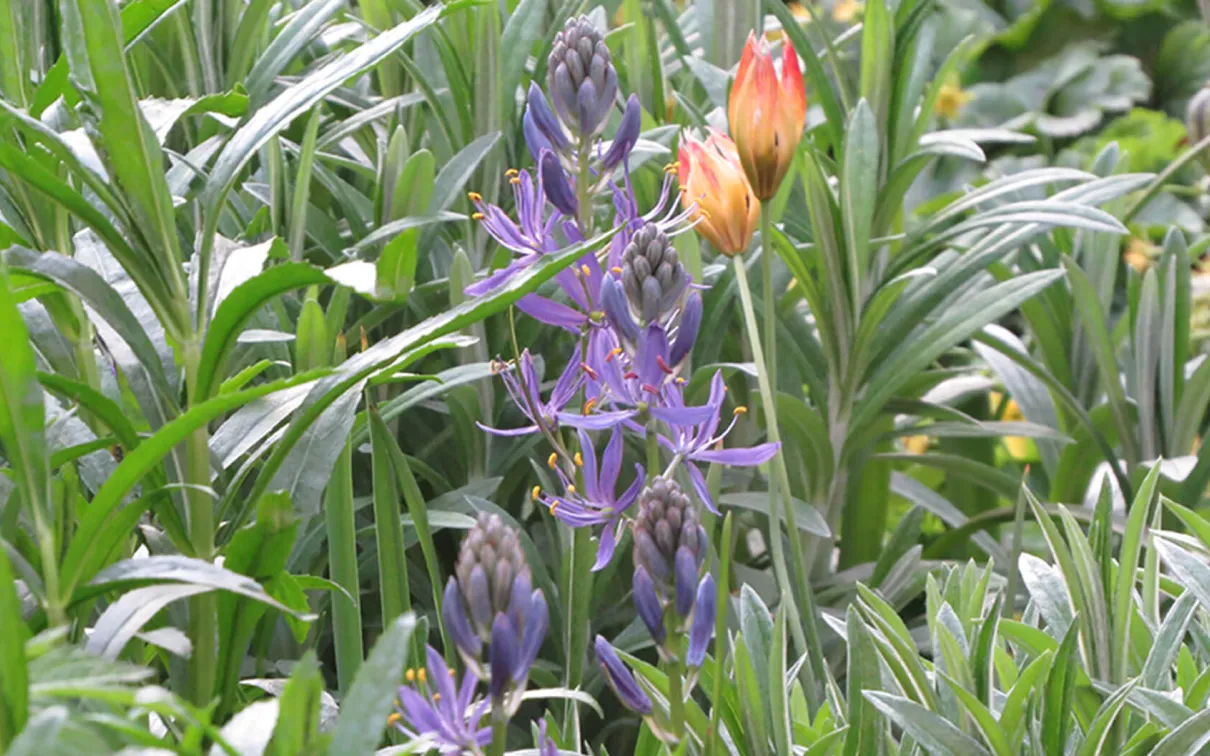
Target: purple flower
438, 710
626, 137
694, 437
598, 503
541, 128
530, 236
546, 746
620, 678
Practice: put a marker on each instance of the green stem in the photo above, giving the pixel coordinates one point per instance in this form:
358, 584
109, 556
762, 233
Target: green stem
1158, 182
203, 610
499, 729
676, 696
653, 452
805, 633
720, 631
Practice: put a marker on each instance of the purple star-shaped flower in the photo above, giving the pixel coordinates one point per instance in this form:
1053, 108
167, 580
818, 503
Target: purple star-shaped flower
439, 710
522, 385
598, 503
694, 437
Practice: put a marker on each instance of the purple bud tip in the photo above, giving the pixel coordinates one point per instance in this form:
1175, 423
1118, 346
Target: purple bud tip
558, 189
702, 628
648, 604
620, 679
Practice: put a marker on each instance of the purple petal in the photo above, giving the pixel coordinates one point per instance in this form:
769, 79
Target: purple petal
684, 416
499, 277
699, 485
626, 500
568, 382
607, 545
595, 422
439, 676
478, 597
742, 456
552, 313
611, 463
702, 628
613, 300
523, 431
652, 351
589, 455
532, 637
717, 390
686, 579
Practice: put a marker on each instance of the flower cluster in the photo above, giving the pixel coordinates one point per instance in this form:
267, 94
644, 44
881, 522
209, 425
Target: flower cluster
635, 312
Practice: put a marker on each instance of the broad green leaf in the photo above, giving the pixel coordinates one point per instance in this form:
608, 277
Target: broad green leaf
451, 180
1099, 729
363, 713
521, 31
1128, 560
388, 530
806, 516
992, 734
124, 618
1059, 694
935, 733
858, 189
14, 682
1190, 738
22, 419
301, 29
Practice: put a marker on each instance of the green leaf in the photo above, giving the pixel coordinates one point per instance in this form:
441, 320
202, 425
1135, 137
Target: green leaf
865, 735
1098, 730
298, 725
1059, 695
388, 529
858, 190
451, 181
933, 732
806, 517
22, 419
301, 29
364, 711
522, 30
878, 52
779, 709
756, 623
1167, 643
41, 734
1128, 560
125, 617
991, 731
14, 682
1191, 737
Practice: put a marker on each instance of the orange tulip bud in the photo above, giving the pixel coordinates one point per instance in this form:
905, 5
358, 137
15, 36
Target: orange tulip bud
712, 181
767, 114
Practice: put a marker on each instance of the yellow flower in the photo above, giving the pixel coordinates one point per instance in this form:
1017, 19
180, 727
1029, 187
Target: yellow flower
767, 112
713, 184
845, 11
1140, 253
950, 99
1018, 446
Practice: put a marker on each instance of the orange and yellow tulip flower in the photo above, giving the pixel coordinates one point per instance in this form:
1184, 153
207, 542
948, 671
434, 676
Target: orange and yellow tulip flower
766, 114
713, 183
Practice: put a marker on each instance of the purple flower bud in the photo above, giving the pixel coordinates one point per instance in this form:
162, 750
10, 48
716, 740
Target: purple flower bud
648, 604
478, 596
702, 628
620, 679
544, 119
667, 524
504, 655
456, 622
653, 277
626, 136
686, 577
613, 299
531, 639
555, 184
581, 77
686, 332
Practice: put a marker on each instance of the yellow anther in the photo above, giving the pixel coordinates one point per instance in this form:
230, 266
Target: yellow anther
704, 213
680, 379
451, 672
536, 493
740, 410
552, 506
474, 196
422, 674
512, 172
585, 270
588, 405
410, 675
394, 719
514, 180
551, 460
579, 459
436, 697
615, 269
571, 488
477, 216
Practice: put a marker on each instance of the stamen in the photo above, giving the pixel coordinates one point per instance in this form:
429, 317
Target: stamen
410, 675
514, 180
593, 374
659, 360
536, 493
649, 388
395, 718
740, 410
422, 675
579, 459
613, 353
451, 672
474, 196
588, 405
571, 488
551, 460
585, 269
552, 506
616, 269
630, 375
436, 697
680, 379
477, 216
511, 172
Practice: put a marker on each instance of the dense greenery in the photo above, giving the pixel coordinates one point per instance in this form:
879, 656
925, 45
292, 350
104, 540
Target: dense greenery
386, 376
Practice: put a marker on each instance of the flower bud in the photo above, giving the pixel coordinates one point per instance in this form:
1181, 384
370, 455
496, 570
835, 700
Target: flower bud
620, 679
582, 79
652, 275
490, 600
766, 114
1197, 116
714, 187
669, 548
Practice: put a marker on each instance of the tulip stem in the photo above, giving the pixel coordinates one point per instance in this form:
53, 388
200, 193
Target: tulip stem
803, 628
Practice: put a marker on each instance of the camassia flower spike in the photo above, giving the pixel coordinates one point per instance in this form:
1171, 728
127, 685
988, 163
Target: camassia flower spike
766, 114
432, 706
714, 187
